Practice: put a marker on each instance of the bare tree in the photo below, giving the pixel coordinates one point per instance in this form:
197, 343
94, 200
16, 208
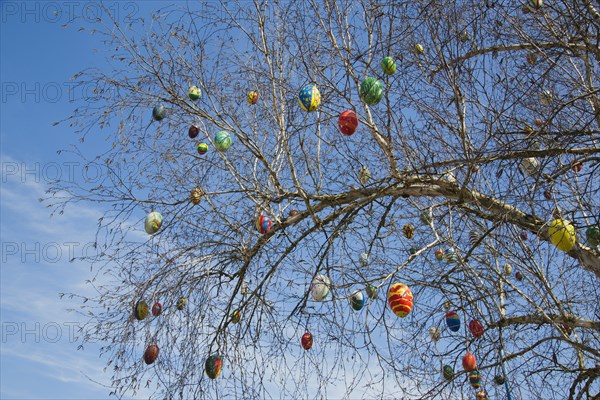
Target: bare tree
486, 132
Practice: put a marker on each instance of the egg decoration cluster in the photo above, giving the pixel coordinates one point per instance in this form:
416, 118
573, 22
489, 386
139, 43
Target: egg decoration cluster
453, 321
562, 234
159, 112
141, 310
357, 300
306, 341
409, 231
348, 122
252, 97
263, 224
202, 148
309, 98
320, 287
213, 366
156, 309
388, 65
194, 93
222, 141
476, 328
447, 372
400, 299
153, 222
151, 354
469, 362
371, 90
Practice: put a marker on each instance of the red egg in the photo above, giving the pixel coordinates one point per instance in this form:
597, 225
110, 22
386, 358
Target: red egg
151, 354
307, 341
156, 309
469, 362
476, 328
347, 122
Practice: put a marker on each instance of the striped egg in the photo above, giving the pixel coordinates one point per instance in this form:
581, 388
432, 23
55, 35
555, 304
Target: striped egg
363, 259
202, 148
213, 366
194, 93
388, 65
475, 379
196, 195
400, 299
222, 141
409, 231
263, 223
453, 321
448, 372
357, 300
474, 237
140, 311
371, 91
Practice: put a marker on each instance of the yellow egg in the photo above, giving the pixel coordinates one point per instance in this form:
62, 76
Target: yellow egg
562, 234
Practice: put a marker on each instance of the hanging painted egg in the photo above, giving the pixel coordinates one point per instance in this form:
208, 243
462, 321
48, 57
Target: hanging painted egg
481, 395
140, 311
196, 195
469, 362
156, 309
476, 328
347, 122
576, 166
294, 212
252, 97
309, 98
562, 234
535, 4
409, 231
194, 131
449, 177
453, 321
531, 58
181, 302
194, 93
425, 217
159, 112
307, 341
474, 237
400, 299
531, 166
222, 141
434, 333
557, 212
463, 36
451, 256
371, 91
523, 235
213, 366
263, 223
548, 194
499, 379
519, 276
388, 65
592, 235
236, 315
475, 379
357, 300
371, 292
448, 372
364, 175
508, 269
418, 49
363, 259
151, 354
202, 148
439, 254
546, 97
413, 250
320, 287
153, 222
447, 305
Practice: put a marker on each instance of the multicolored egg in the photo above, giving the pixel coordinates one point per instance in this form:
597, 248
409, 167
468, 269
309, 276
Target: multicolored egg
194, 93
371, 91
388, 65
196, 195
309, 98
151, 354
213, 366
252, 97
153, 222
357, 300
434, 333
156, 309
236, 315
306, 341
448, 372
222, 141
418, 49
363, 259
577, 166
140, 310
439, 254
263, 224
469, 362
474, 237
400, 299
545, 97
592, 235
371, 292
181, 302
523, 235
194, 131
562, 234
202, 148
531, 166
409, 231
447, 305
451, 256
481, 395
475, 328
348, 122
320, 287
453, 321
159, 112
499, 379
475, 380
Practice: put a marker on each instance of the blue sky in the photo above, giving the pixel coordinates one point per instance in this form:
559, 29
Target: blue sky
39, 356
